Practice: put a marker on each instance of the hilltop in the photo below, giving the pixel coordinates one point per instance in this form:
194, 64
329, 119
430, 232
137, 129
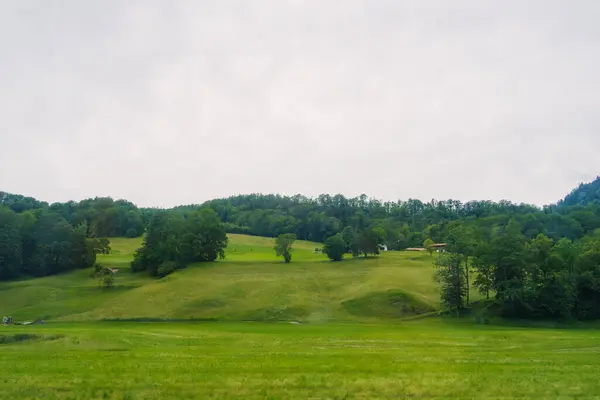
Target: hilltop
584, 194
250, 284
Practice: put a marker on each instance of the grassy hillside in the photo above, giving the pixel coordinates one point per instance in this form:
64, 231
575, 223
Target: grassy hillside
250, 284
416, 358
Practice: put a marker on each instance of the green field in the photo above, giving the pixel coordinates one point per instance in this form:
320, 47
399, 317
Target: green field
309, 329
250, 284
418, 359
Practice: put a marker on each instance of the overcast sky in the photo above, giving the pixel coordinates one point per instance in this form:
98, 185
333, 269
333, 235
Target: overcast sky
176, 102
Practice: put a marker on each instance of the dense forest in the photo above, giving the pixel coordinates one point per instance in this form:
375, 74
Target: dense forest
406, 223
535, 262
38, 239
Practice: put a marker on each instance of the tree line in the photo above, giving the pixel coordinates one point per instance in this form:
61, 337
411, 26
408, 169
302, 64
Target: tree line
37, 238
41, 242
349, 241
40, 239
100, 216
405, 223
527, 277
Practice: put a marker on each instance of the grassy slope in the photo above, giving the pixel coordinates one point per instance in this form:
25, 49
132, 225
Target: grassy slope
251, 283
429, 358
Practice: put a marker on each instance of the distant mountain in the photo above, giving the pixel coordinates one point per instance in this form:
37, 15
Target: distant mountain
584, 194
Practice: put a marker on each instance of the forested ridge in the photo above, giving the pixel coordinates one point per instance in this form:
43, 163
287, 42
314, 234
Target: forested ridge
406, 223
534, 261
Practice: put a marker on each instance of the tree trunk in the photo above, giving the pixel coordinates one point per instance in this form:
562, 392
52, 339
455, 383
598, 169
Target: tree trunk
459, 295
467, 276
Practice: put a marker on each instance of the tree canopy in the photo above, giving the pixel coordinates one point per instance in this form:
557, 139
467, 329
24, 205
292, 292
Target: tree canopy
335, 247
283, 246
41, 242
174, 240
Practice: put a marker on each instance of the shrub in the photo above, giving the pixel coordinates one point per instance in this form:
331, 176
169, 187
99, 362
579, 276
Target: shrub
131, 233
335, 247
166, 268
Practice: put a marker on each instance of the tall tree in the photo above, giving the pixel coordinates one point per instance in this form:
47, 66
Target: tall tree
10, 243
461, 240
369, 240
588, 280
283, 246
451, 277
428, 245
162, 244
484, 278
508, 255
350, 236
204, 238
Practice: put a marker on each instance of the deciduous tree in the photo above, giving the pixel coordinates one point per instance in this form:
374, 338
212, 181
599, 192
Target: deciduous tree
451, 277
335, 247
428, 245
283, 246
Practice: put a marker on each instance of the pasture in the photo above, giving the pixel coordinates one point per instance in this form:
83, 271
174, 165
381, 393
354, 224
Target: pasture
431, 358
356, 329
249, 284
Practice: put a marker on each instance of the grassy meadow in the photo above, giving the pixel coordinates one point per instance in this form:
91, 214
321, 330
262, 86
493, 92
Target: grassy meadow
430, 358
309, 329
249, 284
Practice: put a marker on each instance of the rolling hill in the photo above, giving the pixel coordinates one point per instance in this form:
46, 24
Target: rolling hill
250, 284
584, 194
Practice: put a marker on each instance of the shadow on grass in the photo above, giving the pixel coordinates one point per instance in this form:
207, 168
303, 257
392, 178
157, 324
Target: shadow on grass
25, 337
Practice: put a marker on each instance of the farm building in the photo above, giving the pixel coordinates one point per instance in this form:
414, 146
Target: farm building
439, 247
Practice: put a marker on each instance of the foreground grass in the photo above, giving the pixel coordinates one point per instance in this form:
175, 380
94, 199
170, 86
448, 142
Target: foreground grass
419, 359
250, 284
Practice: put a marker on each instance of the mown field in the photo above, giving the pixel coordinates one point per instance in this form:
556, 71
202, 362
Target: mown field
250, 284
432, 358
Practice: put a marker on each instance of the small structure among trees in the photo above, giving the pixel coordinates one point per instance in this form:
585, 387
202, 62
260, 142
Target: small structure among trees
105, 276
439, 247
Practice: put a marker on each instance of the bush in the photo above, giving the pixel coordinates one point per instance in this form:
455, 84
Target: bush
108, 280
335, 247
106, 276
131, 233
166, 268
